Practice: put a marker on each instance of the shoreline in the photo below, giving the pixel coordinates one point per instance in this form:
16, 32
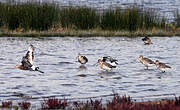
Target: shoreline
91, 33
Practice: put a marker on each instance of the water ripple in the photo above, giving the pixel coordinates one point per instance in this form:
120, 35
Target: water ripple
65, 77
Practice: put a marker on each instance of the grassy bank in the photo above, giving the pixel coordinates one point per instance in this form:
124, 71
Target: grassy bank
115, 103
42, 19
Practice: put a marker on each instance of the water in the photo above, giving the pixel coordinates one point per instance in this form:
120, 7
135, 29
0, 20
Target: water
64, 76
164, 7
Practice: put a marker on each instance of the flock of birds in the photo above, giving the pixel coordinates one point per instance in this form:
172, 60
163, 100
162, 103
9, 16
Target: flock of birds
106, 63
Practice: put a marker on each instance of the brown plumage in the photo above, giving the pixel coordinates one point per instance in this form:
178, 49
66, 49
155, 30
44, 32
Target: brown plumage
146, 61
110, 60
147, 41
82, 59
105, 65
30, 54
162, 66
20, 67
27, 61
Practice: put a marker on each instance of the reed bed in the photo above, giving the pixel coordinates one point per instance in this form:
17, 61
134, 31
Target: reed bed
177, 18
131, 19
27, 17
42, 16
79, 18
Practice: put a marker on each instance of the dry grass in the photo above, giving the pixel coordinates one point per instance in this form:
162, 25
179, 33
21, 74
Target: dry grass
89, 33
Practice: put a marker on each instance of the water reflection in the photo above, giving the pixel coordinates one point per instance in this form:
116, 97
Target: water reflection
82, 67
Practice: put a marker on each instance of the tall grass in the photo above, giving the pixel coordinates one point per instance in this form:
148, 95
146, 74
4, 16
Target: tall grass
177, 18
79, 18
43, 16
30, 16
131, 19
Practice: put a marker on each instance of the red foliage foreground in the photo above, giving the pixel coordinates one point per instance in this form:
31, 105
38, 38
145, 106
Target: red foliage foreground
116, 103
24, 105
7, 104
125, 103
53, 103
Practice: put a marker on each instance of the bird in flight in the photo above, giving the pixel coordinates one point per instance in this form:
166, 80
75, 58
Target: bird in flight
27, 61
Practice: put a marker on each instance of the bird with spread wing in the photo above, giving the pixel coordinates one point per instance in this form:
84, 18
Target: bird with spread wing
27, 61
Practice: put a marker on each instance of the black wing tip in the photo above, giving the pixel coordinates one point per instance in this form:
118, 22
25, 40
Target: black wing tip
145, 38
40, 71
85, 58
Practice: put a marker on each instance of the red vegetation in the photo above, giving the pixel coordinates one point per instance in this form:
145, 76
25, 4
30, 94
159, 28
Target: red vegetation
7, 104
119, 103
89, 105
53, 103
125, 103
116, 103
24, 105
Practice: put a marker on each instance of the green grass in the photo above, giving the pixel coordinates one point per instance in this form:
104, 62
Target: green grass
79, 18
42, 17
30, 16
177, 18
131, 19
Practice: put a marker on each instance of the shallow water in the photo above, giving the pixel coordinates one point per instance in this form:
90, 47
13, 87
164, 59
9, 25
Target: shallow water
65, 77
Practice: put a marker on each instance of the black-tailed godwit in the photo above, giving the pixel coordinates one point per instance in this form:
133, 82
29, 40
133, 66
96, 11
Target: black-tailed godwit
82, 59
110, 60
162, 66
147, 40
105, 65
146, 61
27, 61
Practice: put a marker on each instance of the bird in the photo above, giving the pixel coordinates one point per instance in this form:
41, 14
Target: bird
147, 40
105, 65
146, 61
82, 59
162, 66
110, 60
27, 61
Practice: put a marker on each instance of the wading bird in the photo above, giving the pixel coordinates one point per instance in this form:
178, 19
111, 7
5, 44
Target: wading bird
110, 60
161, 66
146, 61
147, 40
82, 59
27, 61
104, 65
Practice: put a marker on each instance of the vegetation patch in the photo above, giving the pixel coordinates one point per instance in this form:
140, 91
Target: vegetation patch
54, 103
115, 103
43, 19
